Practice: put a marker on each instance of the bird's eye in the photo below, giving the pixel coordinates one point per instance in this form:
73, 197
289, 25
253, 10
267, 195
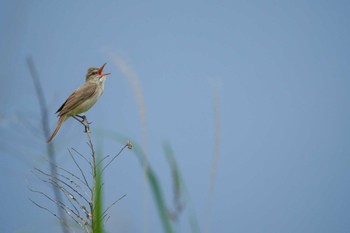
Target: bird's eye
94, 73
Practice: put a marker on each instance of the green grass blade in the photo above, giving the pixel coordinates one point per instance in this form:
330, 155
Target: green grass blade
98, 224
158, 197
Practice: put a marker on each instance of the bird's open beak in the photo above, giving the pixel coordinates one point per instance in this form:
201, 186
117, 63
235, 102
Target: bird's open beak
101, 69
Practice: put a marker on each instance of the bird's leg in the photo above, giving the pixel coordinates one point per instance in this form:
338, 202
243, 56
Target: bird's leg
83, 117
80, 116
80, 120
83, 121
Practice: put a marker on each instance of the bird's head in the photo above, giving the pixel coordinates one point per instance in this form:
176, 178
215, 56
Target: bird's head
96, 73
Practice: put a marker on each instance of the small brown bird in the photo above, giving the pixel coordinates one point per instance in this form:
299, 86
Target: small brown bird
83, 98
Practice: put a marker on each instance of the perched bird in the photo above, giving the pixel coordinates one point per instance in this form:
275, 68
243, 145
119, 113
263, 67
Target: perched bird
83, 98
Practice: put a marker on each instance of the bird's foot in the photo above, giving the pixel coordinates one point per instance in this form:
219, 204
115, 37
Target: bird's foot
83, 120
86, 124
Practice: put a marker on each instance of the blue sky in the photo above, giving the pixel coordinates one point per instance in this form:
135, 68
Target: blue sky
280, 68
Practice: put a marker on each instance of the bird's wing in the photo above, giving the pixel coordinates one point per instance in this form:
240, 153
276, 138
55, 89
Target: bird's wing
77, 97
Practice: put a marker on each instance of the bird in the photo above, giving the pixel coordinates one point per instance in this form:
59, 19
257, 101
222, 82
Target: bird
83, 98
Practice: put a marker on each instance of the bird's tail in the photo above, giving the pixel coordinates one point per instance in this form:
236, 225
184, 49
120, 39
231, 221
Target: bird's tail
59, 124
